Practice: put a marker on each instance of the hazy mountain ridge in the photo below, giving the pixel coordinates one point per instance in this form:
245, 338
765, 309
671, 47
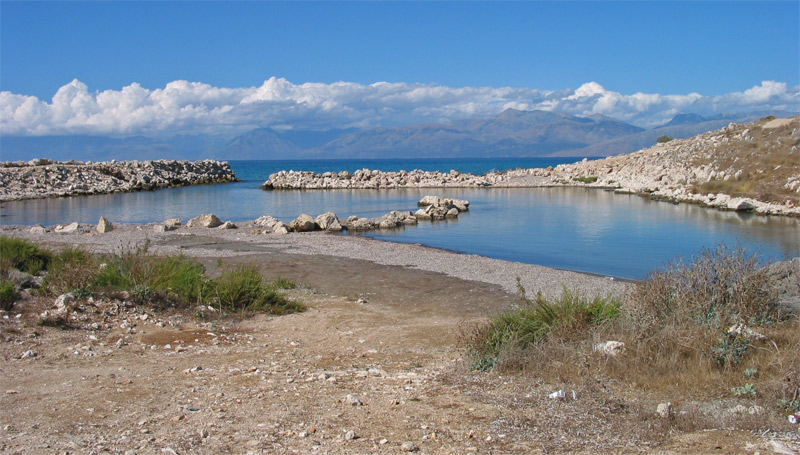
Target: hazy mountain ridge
512, 133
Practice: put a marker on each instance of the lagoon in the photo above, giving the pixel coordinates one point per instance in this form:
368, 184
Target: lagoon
579, 229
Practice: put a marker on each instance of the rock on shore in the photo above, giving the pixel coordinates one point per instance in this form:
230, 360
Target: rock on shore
41, 178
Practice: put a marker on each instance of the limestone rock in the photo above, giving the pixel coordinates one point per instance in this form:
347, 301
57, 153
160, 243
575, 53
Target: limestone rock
664, 410
303, 223
66, 229
104, 225
228, 225
172, 223
209, 221
38, 229
610, 348
328, 222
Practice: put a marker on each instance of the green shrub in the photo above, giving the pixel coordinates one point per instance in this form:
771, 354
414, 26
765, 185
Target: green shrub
591, 179
538, 319
664, 139
71, 268
8, 295
242, 288
730, 349
23, 255
720, 287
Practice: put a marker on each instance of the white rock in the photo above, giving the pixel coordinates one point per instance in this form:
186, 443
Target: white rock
210, 221
743, 330
72, 227
303, 223
610, 348
38, 229
228, 225
328, 222
664, 410
104, 225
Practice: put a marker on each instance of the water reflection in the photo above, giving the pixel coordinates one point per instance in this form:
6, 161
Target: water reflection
580, 229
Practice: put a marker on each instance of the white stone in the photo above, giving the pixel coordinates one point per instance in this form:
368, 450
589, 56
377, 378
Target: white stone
610, 348
104, 225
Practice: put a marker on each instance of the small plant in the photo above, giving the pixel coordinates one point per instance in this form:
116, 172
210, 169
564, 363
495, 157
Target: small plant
664, 139
81, 293
789, 405
538, 319
283, 283
23, 255
70, 268
591, 179
142, 294
750, 372
747, 389
730, 349
8, 295
242, 288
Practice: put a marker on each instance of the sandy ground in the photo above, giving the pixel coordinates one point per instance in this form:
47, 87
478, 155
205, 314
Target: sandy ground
382, 376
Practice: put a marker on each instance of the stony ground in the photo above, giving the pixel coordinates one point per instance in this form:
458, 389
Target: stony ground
373, 366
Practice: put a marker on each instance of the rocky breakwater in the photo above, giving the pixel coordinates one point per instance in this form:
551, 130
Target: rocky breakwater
433, 208
751, 167
41, 178
375, 179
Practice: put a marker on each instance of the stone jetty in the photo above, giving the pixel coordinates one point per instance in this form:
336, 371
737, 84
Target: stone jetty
41, 178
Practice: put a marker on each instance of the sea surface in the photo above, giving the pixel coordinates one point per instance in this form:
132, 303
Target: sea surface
579, 229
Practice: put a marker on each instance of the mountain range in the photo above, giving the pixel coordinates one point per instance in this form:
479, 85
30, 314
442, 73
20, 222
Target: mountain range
512, 133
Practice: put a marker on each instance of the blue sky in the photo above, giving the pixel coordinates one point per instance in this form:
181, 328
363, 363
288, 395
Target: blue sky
549, 49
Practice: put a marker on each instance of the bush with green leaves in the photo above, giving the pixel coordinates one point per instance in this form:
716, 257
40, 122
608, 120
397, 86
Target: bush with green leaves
72, 268
8, 295
22, 255
537, 320
243, 288
664, 139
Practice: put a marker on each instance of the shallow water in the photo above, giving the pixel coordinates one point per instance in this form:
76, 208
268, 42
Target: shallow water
571, 228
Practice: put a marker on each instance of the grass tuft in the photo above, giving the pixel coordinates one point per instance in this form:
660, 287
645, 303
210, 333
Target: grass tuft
22, 255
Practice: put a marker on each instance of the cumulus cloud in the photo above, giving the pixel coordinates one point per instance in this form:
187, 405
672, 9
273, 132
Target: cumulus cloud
192, 107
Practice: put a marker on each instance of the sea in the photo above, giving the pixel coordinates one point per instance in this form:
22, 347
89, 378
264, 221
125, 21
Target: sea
587, 230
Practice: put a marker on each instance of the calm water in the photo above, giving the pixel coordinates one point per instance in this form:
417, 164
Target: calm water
577, 229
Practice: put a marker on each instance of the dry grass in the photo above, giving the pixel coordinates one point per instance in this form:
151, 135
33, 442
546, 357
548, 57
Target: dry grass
765, 160
675, 325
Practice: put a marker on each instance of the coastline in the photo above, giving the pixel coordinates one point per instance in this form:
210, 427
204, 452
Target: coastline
210, 243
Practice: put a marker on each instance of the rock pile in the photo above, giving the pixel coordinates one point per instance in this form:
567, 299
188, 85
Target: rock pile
375, 179
45, 178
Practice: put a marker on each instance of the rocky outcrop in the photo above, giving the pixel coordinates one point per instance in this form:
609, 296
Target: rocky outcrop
759, 163
41, 178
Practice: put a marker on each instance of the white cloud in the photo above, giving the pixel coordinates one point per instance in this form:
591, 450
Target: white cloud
188, 107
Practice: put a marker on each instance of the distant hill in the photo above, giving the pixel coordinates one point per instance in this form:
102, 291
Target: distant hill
104, 148
512, 133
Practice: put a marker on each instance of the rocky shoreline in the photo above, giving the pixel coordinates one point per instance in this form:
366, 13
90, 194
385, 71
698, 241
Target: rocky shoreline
42, 178
675, 171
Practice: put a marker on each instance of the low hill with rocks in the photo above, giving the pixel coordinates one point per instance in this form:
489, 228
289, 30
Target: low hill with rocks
745, 167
